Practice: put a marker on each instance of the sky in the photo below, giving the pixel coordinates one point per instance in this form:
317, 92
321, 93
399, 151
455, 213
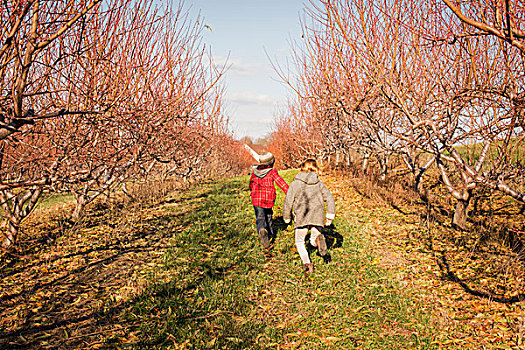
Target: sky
250, 34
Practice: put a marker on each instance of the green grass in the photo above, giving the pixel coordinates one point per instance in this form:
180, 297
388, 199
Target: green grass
224, 293
471, 152
51, 200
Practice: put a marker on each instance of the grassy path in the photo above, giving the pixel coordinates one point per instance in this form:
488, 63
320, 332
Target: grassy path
216, 289
186, 271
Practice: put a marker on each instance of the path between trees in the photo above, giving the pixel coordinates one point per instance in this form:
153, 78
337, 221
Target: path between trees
188, 272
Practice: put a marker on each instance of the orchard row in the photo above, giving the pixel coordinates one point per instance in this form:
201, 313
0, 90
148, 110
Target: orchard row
95, 94
420, 86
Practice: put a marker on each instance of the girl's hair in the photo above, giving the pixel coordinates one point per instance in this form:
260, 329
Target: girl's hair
309, 165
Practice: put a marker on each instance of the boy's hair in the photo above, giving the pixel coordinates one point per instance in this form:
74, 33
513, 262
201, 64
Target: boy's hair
309, 165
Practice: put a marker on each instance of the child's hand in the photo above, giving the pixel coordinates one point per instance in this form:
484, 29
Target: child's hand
328, 222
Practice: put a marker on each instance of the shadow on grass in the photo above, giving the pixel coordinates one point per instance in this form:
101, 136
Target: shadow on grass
202, 303
58, 310
278, 226
477, 247
116, 245
172, 314
448, 275
486, 243
333, 240
47, 303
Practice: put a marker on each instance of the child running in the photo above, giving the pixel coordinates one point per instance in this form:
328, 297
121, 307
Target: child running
306, 199
263, 196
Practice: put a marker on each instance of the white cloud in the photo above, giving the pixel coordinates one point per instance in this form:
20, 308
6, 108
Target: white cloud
252, 95
248, 97
237, 67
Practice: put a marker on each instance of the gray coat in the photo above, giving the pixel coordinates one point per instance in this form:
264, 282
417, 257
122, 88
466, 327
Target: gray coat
306, 198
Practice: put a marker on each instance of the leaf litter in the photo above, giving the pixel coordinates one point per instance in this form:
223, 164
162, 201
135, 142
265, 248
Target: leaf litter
74, 292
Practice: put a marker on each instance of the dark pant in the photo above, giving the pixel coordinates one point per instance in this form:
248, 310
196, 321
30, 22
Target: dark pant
263, 219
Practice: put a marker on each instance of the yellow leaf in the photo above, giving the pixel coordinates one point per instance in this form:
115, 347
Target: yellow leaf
234, 340
211, 343
332, 338
291, 335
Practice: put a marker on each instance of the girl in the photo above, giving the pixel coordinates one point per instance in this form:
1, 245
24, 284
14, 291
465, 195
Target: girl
263, 196
306, 199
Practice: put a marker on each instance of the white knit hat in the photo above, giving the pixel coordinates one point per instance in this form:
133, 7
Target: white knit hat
266, 159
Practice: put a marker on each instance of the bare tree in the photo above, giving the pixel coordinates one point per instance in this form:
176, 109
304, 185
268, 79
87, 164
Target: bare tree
126, 83
409, 78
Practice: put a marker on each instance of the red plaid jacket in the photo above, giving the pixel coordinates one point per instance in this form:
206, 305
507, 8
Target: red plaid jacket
263, 189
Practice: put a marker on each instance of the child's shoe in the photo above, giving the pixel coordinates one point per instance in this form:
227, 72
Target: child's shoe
321, 245
308, 268
263, 236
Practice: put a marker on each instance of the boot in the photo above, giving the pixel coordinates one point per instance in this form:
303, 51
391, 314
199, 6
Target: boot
308, 268
321, 245
263, 237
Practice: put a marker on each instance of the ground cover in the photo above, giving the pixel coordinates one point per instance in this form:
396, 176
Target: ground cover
230, 295
471, 282
186, 271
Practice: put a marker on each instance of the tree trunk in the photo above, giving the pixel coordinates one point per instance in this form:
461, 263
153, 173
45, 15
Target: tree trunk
418, 172
364, 164
383, 163
10, 236
126, 191
420, 189
461, 213
16, 208
107, 197
79, 208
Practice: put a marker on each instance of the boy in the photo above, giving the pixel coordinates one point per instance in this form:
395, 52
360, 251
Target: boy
263, 196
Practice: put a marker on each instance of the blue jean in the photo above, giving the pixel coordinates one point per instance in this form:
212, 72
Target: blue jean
264, 219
